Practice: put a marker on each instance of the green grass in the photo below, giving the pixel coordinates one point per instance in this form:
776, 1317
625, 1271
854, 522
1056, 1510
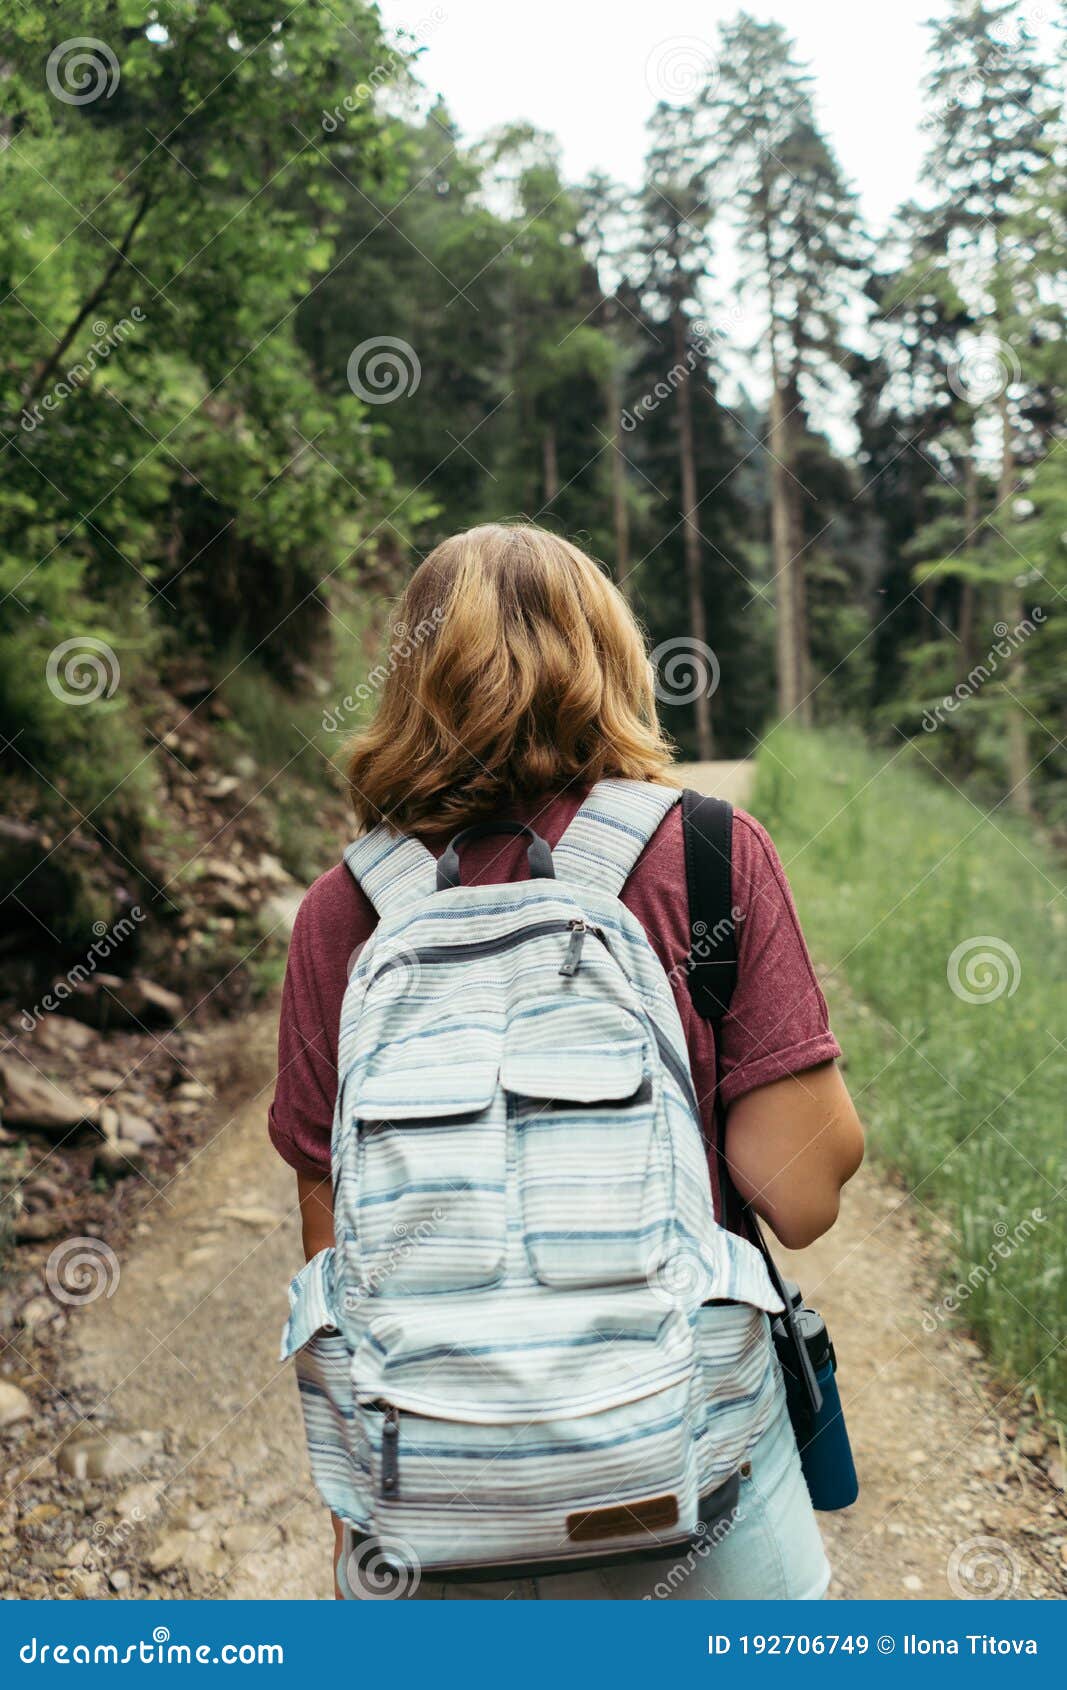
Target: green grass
892, 872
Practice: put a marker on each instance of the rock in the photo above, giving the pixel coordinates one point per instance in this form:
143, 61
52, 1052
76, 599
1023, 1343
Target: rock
117, 1159
96, 1457
222, 787
192, 1090
14, 1404
31, 1100
269, 868
277, 913
249, 1539
220, 868
106, 1000
912, 1581
250, 1216
1033, 1444
190, 1518
140, 1502
136, 1130
170, 1551
119, 1579
41, 1192
108, 1121
41, 1513
32, 1229
103, 1079
1056, 1473
38, 1312
205, 1557
57, 1033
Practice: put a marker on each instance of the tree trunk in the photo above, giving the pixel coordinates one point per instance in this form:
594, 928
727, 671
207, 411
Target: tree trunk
551, 467
1020, 796
698, 625
620, 510
791, 621
971, 516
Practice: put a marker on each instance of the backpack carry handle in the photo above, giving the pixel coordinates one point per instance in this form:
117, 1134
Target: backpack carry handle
538, 854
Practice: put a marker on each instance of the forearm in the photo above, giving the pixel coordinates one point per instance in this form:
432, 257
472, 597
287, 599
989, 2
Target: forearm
316, 1213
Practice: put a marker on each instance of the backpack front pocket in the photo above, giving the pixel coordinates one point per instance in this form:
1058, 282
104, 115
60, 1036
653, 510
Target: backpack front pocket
533, 1431
429, 1205
594, 1168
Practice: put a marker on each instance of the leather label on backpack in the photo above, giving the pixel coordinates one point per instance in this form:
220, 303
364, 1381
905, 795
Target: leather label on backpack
651, 1514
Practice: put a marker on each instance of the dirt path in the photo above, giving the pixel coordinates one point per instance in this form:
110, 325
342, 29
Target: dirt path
187, 1346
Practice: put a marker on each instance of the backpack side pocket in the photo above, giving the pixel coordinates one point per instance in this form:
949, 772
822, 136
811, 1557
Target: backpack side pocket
323, 1361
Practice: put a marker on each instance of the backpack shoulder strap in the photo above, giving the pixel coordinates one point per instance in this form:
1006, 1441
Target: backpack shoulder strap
609, 832
392, 869
707, 830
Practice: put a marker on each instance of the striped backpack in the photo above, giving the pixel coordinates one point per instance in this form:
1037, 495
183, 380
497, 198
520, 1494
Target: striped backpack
533, 1348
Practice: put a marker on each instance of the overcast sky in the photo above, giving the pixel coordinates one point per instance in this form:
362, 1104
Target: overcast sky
589, 71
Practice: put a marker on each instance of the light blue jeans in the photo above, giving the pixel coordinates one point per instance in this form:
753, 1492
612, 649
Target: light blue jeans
772, 1550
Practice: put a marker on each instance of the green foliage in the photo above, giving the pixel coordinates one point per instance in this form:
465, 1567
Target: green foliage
893, 875
172, 473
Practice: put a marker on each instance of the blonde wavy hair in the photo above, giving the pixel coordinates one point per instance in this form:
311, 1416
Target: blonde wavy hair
520, 671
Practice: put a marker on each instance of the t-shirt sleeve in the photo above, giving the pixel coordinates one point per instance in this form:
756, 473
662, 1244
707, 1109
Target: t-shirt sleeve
333, 918
777, 1024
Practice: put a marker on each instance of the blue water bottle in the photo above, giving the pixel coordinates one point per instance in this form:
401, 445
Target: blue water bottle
821, 1433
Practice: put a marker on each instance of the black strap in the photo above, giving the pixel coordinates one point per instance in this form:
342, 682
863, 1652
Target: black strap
707, 831
538, 855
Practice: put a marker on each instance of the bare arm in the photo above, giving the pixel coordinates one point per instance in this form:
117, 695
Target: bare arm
791, 1146
316, 1213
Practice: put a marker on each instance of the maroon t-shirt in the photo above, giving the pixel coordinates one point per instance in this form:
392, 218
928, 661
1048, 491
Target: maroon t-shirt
777, 1023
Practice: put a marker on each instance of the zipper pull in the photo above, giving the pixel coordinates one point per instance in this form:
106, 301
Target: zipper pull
572, 961
390, 1450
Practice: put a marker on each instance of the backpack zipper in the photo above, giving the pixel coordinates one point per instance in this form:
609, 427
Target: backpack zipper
430, 954
390, 1449
577, 929
573, 959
